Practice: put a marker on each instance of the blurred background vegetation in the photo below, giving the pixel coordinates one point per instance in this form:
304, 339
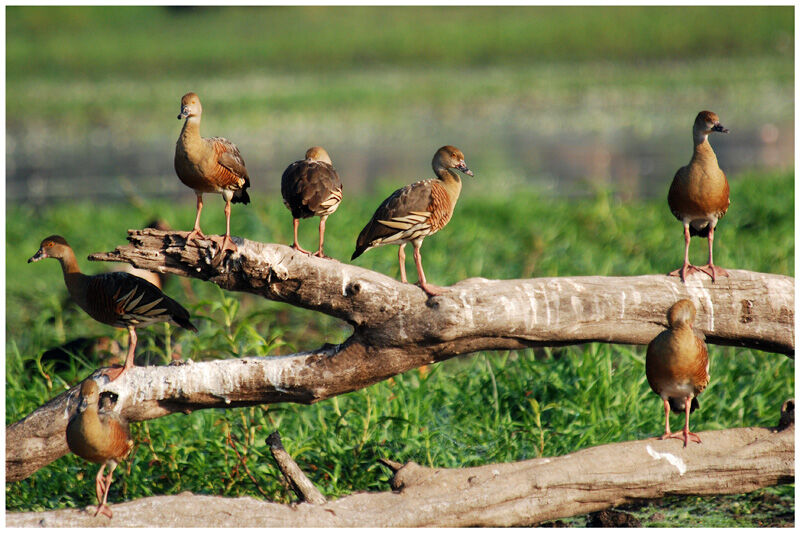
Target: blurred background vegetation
555, 97
574, 120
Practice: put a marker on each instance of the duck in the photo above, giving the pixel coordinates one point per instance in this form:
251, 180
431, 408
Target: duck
209, 165
676, 366
99, 436
700, 195
415, 211
311, 187
118, 299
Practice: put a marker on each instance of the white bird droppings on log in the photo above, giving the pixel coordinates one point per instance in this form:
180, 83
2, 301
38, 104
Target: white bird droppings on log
677, 462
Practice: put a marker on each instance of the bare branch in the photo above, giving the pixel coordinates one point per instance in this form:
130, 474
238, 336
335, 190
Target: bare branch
512, 494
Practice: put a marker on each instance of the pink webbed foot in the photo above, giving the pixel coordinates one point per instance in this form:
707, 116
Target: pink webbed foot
225, 243
681, 435
300, 249
714, 271
113, 372
105, 510
685, 271
195, 234
431, 290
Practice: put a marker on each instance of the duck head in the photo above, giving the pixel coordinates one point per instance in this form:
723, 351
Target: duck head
190, 106
53, 246
450, 157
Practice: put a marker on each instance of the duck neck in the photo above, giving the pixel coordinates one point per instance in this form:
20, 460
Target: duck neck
702, 149
451, 182
190, 133
681, 325
91, 426
73, 277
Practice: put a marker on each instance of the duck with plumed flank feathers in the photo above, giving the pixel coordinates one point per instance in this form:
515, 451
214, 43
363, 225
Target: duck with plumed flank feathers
115, 298
311, 187
677, 367
699, 195
209, 165
415, 211
99, 436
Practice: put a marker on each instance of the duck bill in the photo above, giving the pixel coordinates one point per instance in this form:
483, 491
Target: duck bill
183, 114
463, 168
38, 256
720, 128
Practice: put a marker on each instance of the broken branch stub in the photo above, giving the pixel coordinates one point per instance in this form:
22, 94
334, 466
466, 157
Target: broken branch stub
301, 485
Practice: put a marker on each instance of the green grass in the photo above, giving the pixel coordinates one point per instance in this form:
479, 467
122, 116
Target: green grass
472, 410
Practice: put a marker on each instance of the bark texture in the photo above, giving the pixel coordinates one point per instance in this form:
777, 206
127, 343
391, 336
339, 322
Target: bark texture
397, 328
300, 483
747, 309
511, 494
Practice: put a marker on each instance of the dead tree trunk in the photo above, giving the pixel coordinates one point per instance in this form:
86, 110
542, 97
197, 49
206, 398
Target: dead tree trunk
512, 494
398, 328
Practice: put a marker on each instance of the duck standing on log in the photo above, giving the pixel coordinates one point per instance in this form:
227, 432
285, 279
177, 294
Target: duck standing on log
209, 165
99, 436
115, 298
677, 367
699, 195
311, 187
415, 211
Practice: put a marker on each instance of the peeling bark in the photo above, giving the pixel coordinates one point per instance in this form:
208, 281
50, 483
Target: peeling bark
397, 328
746, 309
510, 494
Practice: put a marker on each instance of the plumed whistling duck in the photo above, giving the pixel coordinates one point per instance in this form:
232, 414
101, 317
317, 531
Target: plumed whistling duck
209, 165
115, 298
99, 436
415, 211
699, 195
677, 367
311, 187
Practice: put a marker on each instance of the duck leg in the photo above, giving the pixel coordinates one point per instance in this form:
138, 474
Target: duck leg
195, 233
227, 243
687, 269
667, 433
711, 269
401, 257
117, 371
322, 219
100, 485
102, 507
418, 261
296, 245
686, 434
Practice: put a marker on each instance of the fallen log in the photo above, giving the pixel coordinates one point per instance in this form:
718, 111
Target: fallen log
511, 494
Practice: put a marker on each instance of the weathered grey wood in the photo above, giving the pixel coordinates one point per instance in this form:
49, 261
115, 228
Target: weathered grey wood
747, 309
397, 328
513, 494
